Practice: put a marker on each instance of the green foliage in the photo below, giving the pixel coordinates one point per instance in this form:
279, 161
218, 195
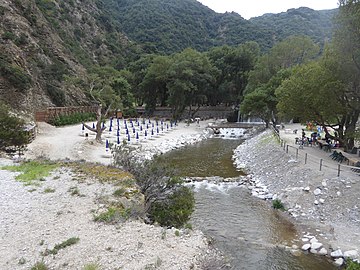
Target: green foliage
32, 170
302, 21
13, 136
69, 242
113, 214
8, 35
92, 266
277, 204
168, 26
352, 265
166, 200
39, 266
176, 210
74, 118
13, 73
56, 94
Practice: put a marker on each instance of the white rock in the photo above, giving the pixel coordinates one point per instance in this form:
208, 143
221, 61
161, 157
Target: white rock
316, 202
316, 245
313, 240
336, 254
323, 183
339, 261
305, 239
323, 251
352, 254
307, 189
321, 201
313, 251
338, 193
306, 247
317, 191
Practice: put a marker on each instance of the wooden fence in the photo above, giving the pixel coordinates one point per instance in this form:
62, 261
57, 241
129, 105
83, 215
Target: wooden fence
52, 112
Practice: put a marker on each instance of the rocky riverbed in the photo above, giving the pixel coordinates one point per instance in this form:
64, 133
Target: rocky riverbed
325, 207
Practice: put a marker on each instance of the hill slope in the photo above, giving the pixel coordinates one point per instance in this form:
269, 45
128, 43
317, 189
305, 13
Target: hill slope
169, 26
43, 41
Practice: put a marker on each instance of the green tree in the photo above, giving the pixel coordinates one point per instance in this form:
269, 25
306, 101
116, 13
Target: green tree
190, 76
271, 70
13, 136
108, 90
234, 65
315, 93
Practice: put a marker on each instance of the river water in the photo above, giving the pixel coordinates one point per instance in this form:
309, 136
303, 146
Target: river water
247, 230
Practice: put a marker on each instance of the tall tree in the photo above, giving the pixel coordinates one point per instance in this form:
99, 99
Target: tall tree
270, 71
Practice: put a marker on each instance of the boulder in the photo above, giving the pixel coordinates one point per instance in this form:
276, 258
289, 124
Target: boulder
306, 247
336, 253
339, 261
323, 251
317, 191
316, 245
351, 254
306, 188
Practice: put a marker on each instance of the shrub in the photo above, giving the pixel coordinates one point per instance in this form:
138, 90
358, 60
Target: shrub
74, 118
175, 210
113, 214
8, 35
12, 133
277, 204
71, 241
39, 266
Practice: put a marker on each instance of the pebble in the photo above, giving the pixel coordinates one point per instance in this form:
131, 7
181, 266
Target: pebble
306, 247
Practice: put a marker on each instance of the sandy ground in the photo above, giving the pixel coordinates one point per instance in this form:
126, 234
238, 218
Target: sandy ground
33, 219
70, 142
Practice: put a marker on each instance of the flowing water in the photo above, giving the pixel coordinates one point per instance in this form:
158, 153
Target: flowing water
247, 230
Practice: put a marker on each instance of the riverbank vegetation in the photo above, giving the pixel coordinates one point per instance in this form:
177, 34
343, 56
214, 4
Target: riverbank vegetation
167, 202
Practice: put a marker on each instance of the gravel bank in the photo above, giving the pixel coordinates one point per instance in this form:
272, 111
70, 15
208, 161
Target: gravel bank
33, 220
321, 204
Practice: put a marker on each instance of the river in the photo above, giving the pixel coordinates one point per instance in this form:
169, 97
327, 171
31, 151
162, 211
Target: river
247, 230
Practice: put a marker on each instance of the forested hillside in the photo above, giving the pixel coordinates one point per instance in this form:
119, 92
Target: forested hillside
168, 26
53, 51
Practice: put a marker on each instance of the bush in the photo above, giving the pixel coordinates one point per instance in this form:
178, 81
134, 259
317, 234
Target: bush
39, 266
14, 74
166, 200
277, 204
175, 210
74, 118
12, 133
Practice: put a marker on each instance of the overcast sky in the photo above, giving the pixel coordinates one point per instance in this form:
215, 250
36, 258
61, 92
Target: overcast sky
254, 8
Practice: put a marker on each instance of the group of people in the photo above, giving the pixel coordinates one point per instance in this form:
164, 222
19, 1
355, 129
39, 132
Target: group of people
304, 140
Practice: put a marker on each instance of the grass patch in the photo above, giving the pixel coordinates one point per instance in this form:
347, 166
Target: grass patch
120, 192
49, 190
113, 214
277, 204
92, 266
39, 266
352, 265
74, 191
71, 241
32, 170
103, 173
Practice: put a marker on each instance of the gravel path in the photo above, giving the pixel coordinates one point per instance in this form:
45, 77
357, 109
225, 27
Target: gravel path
32, 220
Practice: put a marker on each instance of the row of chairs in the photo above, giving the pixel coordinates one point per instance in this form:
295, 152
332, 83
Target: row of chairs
338, 156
